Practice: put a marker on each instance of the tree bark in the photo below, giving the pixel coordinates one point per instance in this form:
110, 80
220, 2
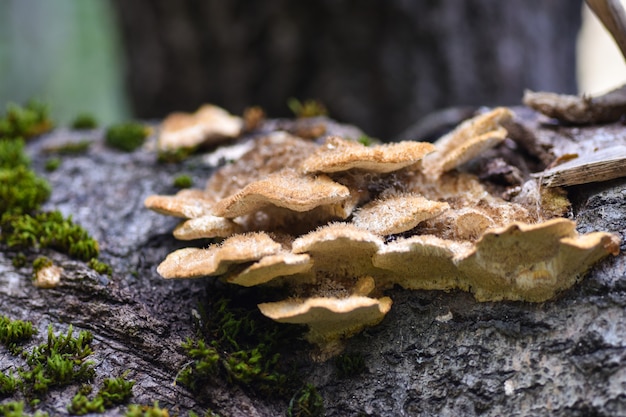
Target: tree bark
379, 65
435, 353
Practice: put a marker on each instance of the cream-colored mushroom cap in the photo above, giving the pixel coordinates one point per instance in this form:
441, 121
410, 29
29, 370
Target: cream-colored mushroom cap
207, 226
397, 213
287, 189
467, 141
329, 318
188, 204
533, 262
48, 276
337, 155
209, 123
270, 267
340, 249
216, 259
335, 236
423, 262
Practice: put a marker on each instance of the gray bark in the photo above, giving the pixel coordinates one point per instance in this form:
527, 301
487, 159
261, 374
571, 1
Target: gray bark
563, 357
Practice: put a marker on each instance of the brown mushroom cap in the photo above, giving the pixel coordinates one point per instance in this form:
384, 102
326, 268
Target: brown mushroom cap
215, 260
188, 204
423, 262
397, 213
340, 249
338, 155
329, 318
268, 155
467, 141
533, 262
271, 267
283, 189
209, 123
207, 226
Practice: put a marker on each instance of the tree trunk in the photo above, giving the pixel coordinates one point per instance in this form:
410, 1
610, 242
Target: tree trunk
379, 65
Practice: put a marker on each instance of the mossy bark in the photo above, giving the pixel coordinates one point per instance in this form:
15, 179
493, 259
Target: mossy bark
435, 353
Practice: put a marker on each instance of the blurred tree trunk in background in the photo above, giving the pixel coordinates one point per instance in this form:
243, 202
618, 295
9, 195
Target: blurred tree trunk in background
378, 64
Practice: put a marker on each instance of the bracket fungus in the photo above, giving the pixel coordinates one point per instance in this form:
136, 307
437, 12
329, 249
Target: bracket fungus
337, 223
209, 124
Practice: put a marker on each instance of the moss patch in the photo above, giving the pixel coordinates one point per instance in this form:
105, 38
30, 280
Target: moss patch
239, 344
60, 361
114, 391
126, 136
84, 121
25, 121
48, 230
183, 181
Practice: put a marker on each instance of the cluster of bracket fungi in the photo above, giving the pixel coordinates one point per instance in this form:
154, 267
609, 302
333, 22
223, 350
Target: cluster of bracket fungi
338, 222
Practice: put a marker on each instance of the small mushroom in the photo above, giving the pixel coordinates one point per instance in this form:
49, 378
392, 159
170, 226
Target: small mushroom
341, 249
217, 258
337, 155
209, 124
397, 213
48, 276
422, 262
268, 154
207, 226
286, 189
329, 318
283, 264
467, 141
532, 262
188, 204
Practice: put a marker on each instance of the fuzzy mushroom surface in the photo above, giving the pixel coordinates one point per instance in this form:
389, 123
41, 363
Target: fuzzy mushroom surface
336, 223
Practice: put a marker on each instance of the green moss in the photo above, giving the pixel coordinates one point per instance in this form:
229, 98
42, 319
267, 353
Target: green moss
135, 410
9, 384
13, 332
366, 140
84, 121
256, 365
350, 364
48, 230
241, 346
12, 409
126, 136
12, 154
25, 121
70, 148
175, 155
40, 263
82, 405
19, 260
115, 391
204, 364
52, 164
306, 403
100, 267
21, 190
58, 362
16, 409
183, 181
308, 108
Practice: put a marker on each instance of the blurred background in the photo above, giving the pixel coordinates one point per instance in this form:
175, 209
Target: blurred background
381, 65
